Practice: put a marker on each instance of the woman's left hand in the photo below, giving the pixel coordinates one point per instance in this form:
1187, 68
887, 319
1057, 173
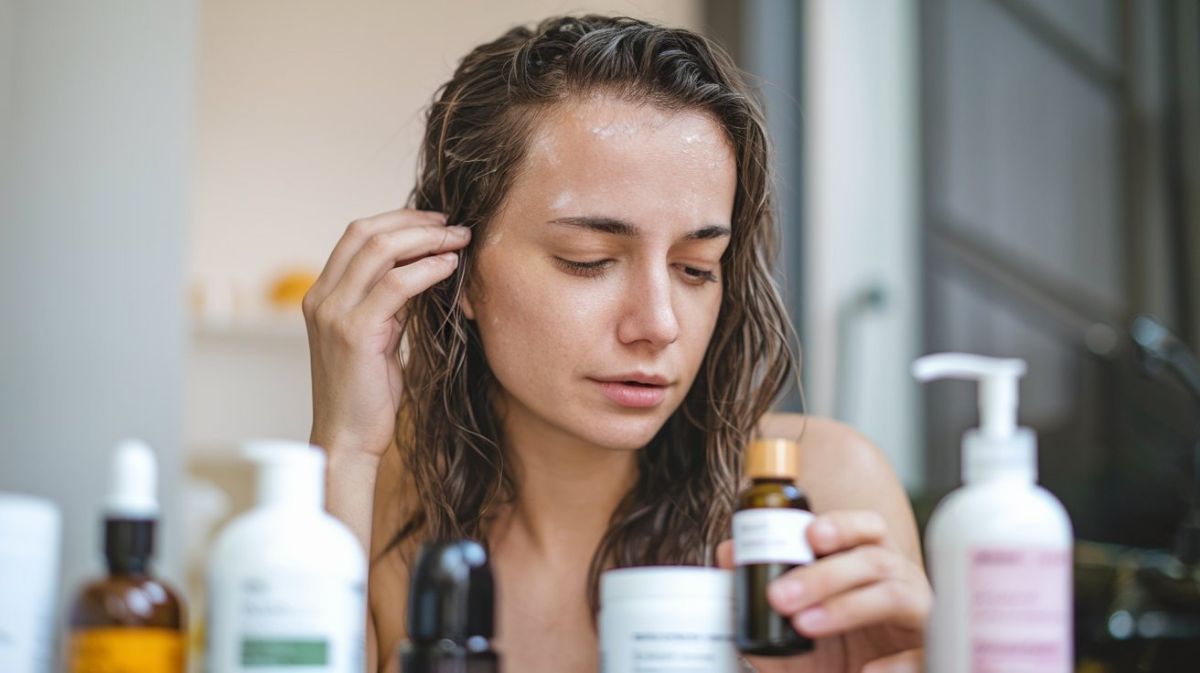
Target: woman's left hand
861, 588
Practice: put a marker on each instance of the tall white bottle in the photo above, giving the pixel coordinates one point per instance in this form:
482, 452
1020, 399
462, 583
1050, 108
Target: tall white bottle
999, 547
286, 581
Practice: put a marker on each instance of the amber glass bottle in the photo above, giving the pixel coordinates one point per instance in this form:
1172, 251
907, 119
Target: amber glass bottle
769, 531
129, 620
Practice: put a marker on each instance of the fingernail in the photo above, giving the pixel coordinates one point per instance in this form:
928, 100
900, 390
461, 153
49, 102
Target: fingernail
812, 619
785, 593
449, 257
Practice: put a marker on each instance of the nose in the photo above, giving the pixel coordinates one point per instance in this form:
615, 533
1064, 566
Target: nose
648, 312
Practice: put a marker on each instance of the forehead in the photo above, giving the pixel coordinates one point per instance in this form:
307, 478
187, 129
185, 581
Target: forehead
602, 155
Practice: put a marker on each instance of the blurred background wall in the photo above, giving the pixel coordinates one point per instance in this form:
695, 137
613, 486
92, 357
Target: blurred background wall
1059, 176
96, 114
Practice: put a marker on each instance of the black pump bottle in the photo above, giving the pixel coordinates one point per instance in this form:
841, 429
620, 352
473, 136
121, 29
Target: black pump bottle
451, 611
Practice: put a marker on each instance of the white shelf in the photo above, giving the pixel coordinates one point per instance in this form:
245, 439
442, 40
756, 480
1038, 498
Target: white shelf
283, 325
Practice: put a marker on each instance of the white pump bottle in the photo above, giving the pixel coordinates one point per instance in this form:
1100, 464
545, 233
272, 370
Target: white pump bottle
287, 580
999, 547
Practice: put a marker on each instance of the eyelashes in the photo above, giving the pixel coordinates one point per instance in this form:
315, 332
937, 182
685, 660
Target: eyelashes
596, 268
586, 269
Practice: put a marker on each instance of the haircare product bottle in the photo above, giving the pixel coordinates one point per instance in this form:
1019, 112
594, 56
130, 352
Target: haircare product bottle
667, 618
286, 580
129, 620
999, 547
769, 539
451, 611
29, 550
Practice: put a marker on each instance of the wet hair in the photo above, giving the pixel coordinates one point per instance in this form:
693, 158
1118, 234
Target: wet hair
477, 132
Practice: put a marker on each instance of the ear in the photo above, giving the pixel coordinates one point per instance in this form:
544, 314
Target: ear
464, 302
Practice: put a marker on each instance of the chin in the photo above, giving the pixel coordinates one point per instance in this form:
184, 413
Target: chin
623, 433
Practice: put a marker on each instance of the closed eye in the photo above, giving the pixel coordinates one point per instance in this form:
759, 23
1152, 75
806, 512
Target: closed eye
702, 275
591, 269
596, 268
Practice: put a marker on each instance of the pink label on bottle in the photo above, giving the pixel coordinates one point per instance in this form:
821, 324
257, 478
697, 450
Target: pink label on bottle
1020, 603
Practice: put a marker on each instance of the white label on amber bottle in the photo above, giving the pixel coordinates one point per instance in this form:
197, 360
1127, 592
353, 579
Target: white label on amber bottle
769, 535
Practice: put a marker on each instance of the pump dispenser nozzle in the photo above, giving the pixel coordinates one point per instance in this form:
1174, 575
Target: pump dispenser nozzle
998, 447
290, 473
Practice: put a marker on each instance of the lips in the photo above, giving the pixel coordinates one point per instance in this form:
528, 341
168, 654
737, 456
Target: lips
634, 390
637, 378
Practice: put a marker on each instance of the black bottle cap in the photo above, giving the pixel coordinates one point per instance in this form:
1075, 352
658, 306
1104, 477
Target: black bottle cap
452, 595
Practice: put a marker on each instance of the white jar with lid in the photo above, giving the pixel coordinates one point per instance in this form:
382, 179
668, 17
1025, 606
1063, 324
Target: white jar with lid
670, 619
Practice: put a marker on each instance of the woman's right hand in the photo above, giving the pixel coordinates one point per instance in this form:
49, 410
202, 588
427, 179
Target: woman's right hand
353, 312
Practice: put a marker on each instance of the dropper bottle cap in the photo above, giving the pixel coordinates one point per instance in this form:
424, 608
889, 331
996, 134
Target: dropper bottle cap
131, 509
998, 449
451, 611
452, 596
772, 458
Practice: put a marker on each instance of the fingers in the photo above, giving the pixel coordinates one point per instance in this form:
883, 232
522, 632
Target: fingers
387, 250
725, 555
858, 580
808, 585
895, 602
832, 532
911, 661
357, 234
403, 283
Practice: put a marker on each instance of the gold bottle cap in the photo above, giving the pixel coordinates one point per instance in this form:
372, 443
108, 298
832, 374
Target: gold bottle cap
772, 458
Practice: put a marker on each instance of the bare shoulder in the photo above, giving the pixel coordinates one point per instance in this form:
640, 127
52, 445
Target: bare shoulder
388, 580
841, 468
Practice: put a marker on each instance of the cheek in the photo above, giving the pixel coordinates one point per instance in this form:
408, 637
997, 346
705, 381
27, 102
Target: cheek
698, 318
540, 329
533, 325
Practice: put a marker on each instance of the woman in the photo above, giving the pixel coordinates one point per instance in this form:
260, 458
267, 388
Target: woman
591, 337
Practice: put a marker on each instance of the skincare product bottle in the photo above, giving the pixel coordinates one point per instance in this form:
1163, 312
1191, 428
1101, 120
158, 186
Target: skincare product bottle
999, 547
129, 620
286, 580
670, 618
769, 538
29, 555
451, 611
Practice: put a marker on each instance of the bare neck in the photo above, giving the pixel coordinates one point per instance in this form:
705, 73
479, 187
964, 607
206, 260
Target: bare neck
567, 489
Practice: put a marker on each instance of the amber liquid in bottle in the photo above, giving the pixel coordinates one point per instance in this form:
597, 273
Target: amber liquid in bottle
127, 621
769, 540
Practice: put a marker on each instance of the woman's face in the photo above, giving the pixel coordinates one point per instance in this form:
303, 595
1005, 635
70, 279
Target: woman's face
597, 287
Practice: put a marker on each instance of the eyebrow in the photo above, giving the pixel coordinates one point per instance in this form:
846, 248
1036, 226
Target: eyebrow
616, 227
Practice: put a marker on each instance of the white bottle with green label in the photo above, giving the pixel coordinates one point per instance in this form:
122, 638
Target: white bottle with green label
286, 582
999, 547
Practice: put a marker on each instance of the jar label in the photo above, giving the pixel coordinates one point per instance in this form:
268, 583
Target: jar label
668, 635
146, 650
1020, 610
771, 535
